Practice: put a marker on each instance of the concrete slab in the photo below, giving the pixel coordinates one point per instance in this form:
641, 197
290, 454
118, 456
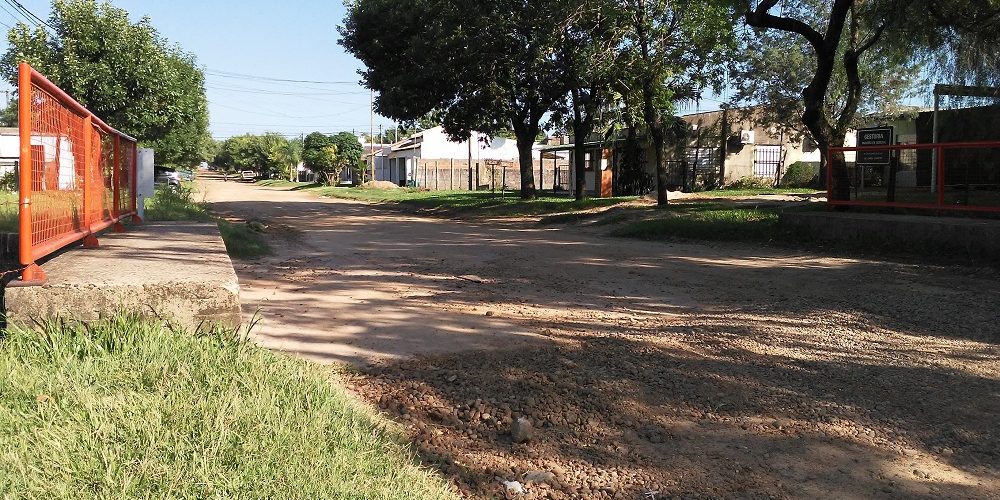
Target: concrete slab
176, 271
968, 235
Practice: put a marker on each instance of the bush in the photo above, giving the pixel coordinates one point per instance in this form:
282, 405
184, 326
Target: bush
9, 182
800, 174
751, 183
175, 205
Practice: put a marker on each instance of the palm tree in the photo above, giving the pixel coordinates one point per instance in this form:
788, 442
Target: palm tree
290, 153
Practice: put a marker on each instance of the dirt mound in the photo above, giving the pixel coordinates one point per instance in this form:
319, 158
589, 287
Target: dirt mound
379, 185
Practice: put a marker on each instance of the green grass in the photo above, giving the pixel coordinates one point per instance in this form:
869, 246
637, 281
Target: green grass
8, 212
732, 193
283, 183
168, 205
242, 240
125, 408
481, 203
706, 221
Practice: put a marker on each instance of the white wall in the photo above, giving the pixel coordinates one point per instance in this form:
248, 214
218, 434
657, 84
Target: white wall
10, 151
144, 179
436, 146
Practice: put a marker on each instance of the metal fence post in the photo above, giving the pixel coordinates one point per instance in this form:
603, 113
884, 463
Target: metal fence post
89, 241
31, 273
437, 176
135, 184
116, 186
940, 174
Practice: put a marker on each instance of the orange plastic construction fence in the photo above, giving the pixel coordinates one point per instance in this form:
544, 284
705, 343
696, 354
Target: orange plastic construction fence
77, 174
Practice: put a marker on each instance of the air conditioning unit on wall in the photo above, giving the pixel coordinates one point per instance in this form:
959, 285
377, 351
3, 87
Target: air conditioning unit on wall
746, 137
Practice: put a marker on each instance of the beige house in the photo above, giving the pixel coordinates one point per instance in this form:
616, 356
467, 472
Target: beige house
729, 145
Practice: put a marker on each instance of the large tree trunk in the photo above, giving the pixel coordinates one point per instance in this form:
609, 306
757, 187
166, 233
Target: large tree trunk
579, 168
525, 143
815, 116
661, 169
582, 126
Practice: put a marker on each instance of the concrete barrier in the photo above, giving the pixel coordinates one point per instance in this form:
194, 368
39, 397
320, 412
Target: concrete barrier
970, 236
179, 272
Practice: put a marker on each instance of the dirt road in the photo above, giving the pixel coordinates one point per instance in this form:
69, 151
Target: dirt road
685, 369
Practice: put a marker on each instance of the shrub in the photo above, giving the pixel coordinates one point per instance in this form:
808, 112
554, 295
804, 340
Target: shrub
800, 174
750, 183
9, 182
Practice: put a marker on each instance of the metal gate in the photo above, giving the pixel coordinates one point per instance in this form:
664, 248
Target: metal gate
767, 162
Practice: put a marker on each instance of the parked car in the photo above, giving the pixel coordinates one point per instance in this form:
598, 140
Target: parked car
248, 175
187, 175
166, 176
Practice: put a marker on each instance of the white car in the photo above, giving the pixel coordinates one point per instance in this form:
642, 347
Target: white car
248, 175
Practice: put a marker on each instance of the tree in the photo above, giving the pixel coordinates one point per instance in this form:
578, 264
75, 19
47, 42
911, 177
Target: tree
846, 36
265, 154
488, 72
349, 151
587, 61
291, 155
124, 72
675, 49
320, 154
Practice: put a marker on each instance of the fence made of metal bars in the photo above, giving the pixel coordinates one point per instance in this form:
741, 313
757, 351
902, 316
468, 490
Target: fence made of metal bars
962, 176
76, 173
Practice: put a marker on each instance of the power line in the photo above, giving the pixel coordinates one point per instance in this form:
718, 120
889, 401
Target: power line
277, 92
17, 5
281, 85
30, 16
14, 17
282, 125
244, 76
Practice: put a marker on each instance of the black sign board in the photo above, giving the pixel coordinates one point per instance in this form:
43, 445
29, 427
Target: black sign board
880, 136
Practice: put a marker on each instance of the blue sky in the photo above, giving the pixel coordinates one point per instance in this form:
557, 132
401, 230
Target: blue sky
294, 40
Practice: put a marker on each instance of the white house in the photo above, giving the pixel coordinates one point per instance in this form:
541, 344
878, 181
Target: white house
10, 149
400, 159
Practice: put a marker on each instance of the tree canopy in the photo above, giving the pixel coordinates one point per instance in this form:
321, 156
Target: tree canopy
514, 62
124, 72
269, 154
488, 72
854, 45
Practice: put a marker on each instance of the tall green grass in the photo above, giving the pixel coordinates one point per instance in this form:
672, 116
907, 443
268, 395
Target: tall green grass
242, 242
8, 211
706, 222
176, 205
126, 408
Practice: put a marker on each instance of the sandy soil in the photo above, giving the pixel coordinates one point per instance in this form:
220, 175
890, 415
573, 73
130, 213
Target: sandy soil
646, 370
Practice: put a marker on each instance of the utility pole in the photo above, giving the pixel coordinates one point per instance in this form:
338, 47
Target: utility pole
371, 130
470, 162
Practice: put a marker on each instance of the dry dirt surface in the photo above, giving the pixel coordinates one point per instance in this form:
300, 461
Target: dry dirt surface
645, 370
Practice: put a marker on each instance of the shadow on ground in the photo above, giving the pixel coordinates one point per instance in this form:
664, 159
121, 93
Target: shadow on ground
689, 369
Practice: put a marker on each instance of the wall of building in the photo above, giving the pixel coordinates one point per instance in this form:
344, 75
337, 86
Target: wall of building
452, 174
435, 145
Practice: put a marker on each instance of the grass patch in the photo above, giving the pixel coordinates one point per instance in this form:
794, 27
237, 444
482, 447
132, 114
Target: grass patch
125, 408
733, 193
9, 211
481, 203
284, 183
176, 205
243, 241
706, 222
